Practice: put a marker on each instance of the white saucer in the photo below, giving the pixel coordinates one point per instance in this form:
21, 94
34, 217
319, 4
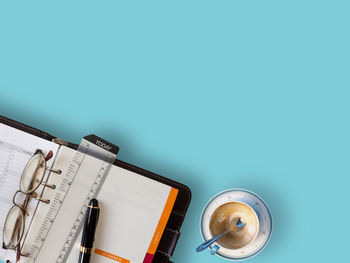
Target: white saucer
261, 210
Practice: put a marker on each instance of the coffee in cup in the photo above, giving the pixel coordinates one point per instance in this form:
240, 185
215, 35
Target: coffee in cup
229, 213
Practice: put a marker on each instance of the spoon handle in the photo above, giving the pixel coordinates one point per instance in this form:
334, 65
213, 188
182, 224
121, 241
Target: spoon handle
207, 243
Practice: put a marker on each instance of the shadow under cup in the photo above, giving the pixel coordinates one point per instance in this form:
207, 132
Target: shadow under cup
222, 210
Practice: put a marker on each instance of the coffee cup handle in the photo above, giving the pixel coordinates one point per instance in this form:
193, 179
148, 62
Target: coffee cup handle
214, 249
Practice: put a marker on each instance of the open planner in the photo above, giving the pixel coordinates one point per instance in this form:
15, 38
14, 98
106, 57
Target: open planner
141, 213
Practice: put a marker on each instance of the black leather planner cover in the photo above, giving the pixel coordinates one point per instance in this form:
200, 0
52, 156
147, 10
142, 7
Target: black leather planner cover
172, 231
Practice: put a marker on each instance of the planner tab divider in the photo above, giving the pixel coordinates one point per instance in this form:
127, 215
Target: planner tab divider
107, 152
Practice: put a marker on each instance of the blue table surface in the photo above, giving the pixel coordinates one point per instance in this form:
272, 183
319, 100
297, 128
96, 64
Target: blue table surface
213, 94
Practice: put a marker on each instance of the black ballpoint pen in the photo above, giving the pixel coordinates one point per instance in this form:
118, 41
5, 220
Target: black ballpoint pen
89, 230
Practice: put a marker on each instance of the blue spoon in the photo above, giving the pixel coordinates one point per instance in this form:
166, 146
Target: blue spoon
234, 226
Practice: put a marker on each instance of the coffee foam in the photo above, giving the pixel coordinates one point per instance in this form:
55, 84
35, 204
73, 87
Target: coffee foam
224, 215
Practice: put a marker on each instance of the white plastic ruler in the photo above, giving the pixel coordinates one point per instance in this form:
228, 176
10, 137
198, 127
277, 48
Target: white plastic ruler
91, 149
75, 230
38, 236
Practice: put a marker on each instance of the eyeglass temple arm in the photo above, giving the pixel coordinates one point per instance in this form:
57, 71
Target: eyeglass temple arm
18, 253
49, 156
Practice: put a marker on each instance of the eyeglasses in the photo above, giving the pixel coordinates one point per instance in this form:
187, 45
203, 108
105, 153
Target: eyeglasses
32, 177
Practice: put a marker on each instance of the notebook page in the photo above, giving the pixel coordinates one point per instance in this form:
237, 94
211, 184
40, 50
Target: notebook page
132, 208
16, 148
70, 204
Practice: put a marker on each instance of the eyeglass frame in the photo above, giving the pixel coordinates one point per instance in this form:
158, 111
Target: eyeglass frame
28, 195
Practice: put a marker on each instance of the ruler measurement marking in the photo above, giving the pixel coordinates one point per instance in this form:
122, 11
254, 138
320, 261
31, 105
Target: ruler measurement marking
55, 204
60, 196
75, 230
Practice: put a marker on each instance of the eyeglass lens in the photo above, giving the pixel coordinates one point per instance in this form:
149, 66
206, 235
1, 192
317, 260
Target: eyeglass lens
33, 173
13, 227
32, 176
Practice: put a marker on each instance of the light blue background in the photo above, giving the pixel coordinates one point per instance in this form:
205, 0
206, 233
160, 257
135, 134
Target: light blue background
214, 94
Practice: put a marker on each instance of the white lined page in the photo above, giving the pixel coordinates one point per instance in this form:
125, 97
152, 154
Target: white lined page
131, 207
16, 148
